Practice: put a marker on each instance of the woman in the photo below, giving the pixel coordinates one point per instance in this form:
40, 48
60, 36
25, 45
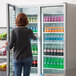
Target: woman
20, 41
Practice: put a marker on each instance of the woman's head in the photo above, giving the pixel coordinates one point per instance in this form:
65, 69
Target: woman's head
21, 20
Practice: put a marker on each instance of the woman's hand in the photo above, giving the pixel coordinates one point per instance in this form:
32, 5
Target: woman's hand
6, 43
36, 35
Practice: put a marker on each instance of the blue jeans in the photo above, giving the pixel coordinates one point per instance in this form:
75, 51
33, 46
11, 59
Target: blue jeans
22, 63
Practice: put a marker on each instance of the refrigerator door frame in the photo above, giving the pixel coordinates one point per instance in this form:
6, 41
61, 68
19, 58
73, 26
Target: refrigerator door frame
8, 33
8, 37
64, 7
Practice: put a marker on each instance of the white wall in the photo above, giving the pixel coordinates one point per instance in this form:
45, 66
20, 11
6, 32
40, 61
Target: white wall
25, 2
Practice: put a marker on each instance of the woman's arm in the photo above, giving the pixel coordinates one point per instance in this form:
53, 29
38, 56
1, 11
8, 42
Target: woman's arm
12, 41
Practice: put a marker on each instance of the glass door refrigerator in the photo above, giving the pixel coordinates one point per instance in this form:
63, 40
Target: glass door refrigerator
53, 40
33, 15
54, 50
58, 25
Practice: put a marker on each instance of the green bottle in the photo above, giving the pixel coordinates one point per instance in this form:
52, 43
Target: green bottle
50, 63
45, 63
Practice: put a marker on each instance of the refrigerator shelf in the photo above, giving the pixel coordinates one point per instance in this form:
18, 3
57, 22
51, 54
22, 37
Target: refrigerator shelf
3, 57
34, 67
34, 42
53, 42
53, 68
32, 22
53, 56
53, 22
52, 32
35, 32
54, 14
35, 55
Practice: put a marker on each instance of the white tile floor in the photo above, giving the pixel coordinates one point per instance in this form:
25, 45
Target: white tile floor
71, 72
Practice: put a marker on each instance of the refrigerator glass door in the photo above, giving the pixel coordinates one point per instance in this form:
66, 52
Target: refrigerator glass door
33, 18
52, 39
11, 24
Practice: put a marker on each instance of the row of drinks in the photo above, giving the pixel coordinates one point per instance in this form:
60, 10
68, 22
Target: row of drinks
34, 62
54, 37
34, 49
54, 49
34, 29
50, 62
54, 75
3, 66
53, 18
54, 29
3, 52
32, 19
3, 36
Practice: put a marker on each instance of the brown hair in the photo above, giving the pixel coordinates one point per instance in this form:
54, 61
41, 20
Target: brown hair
21, 20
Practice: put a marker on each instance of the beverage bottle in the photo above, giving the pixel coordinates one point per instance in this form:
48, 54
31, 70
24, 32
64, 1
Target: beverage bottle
31, 19
36, 29
55, 35
52, 37
57, 62
0, 37
53, 28
35, 65
45, 29
44, 19
44, 62
58, 50
45, 38
54, 49
48, 37
35, 50
47, 19
62, 18
48, 62
62, 63
45, 50
52, 62
53, 18
56, 18
49, 49
32, 48
36, 19
59, 18
50, 18
50, 29
61, 50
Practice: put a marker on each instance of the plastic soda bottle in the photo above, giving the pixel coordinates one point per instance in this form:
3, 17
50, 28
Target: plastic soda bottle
50, 18
44, 19
59, 18
56, 18
47, 19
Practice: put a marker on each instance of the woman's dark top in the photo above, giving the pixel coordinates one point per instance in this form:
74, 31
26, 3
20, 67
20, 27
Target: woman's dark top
20, 40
